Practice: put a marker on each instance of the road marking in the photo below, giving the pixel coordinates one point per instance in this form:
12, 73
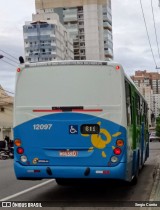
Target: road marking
25, 191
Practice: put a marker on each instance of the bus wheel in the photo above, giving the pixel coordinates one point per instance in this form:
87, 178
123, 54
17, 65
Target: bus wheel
135, 178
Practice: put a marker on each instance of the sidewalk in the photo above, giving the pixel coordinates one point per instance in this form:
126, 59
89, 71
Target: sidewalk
155, 194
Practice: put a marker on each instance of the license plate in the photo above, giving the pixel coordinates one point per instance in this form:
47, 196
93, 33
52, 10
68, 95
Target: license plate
68, 153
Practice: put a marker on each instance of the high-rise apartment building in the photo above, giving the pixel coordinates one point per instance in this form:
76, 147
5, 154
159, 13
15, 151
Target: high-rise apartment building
149, 85
89, 23
147, 92
155, 105
148, 78
46, 39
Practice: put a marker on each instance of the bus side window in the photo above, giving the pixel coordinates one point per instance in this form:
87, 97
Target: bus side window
128, 103
138, 109
145, 114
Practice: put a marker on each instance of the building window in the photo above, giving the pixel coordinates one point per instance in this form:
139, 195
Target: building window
2, 109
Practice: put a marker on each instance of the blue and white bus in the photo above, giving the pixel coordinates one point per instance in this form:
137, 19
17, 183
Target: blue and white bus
78, 120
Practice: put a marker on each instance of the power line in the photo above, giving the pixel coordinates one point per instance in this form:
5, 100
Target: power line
8, 63
148, 34
11, 59
155, 28
9, 54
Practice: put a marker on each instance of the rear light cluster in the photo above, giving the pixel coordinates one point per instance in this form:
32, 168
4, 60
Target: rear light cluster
117, 150
20, 150
18, 143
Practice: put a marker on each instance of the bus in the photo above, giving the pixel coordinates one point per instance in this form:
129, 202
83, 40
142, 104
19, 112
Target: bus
78, 120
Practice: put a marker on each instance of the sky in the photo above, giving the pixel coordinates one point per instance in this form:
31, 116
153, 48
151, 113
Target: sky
130, 43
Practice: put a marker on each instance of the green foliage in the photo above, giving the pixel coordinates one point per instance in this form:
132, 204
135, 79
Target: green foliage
158, 126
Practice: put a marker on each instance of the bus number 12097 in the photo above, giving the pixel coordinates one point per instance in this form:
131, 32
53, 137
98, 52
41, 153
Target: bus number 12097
42, 126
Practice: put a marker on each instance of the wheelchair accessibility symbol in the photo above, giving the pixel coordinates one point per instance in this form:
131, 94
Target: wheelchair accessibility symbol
73, 129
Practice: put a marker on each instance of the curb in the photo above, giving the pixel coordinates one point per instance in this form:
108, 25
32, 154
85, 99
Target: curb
155, 193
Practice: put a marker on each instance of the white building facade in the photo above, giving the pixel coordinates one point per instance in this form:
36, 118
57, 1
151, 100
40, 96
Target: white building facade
155, 98
46, 39
89, 24
147, 92
6, 115
149, 85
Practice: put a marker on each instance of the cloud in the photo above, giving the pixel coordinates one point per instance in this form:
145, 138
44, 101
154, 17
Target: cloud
13, 17
131, 46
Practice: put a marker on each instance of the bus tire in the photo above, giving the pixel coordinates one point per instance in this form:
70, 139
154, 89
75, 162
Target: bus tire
135, 178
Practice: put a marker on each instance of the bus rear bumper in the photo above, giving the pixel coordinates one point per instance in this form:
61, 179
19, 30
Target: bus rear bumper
46, 172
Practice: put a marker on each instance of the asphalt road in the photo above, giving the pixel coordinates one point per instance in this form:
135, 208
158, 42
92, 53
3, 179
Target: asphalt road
84, 195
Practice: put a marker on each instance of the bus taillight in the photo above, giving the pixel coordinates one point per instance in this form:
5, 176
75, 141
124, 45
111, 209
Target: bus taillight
20, 150
117, 151
120, 143
17, 142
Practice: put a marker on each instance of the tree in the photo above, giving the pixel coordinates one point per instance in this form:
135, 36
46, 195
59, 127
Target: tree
158, 126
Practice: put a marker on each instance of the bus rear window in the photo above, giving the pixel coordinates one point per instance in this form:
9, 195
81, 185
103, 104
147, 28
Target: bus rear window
69, 86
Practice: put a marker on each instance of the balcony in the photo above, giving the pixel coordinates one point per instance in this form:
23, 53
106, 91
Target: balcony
107, 25
27, 54
81, 31
81, 40
80, 11
53, 44
82, 54
70, 18
77, 57
76, 46
107, 18
76, 40
70, 12
76, 53
82, 46
53, 53
80, 17
108, 54
81, 26
52, 35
